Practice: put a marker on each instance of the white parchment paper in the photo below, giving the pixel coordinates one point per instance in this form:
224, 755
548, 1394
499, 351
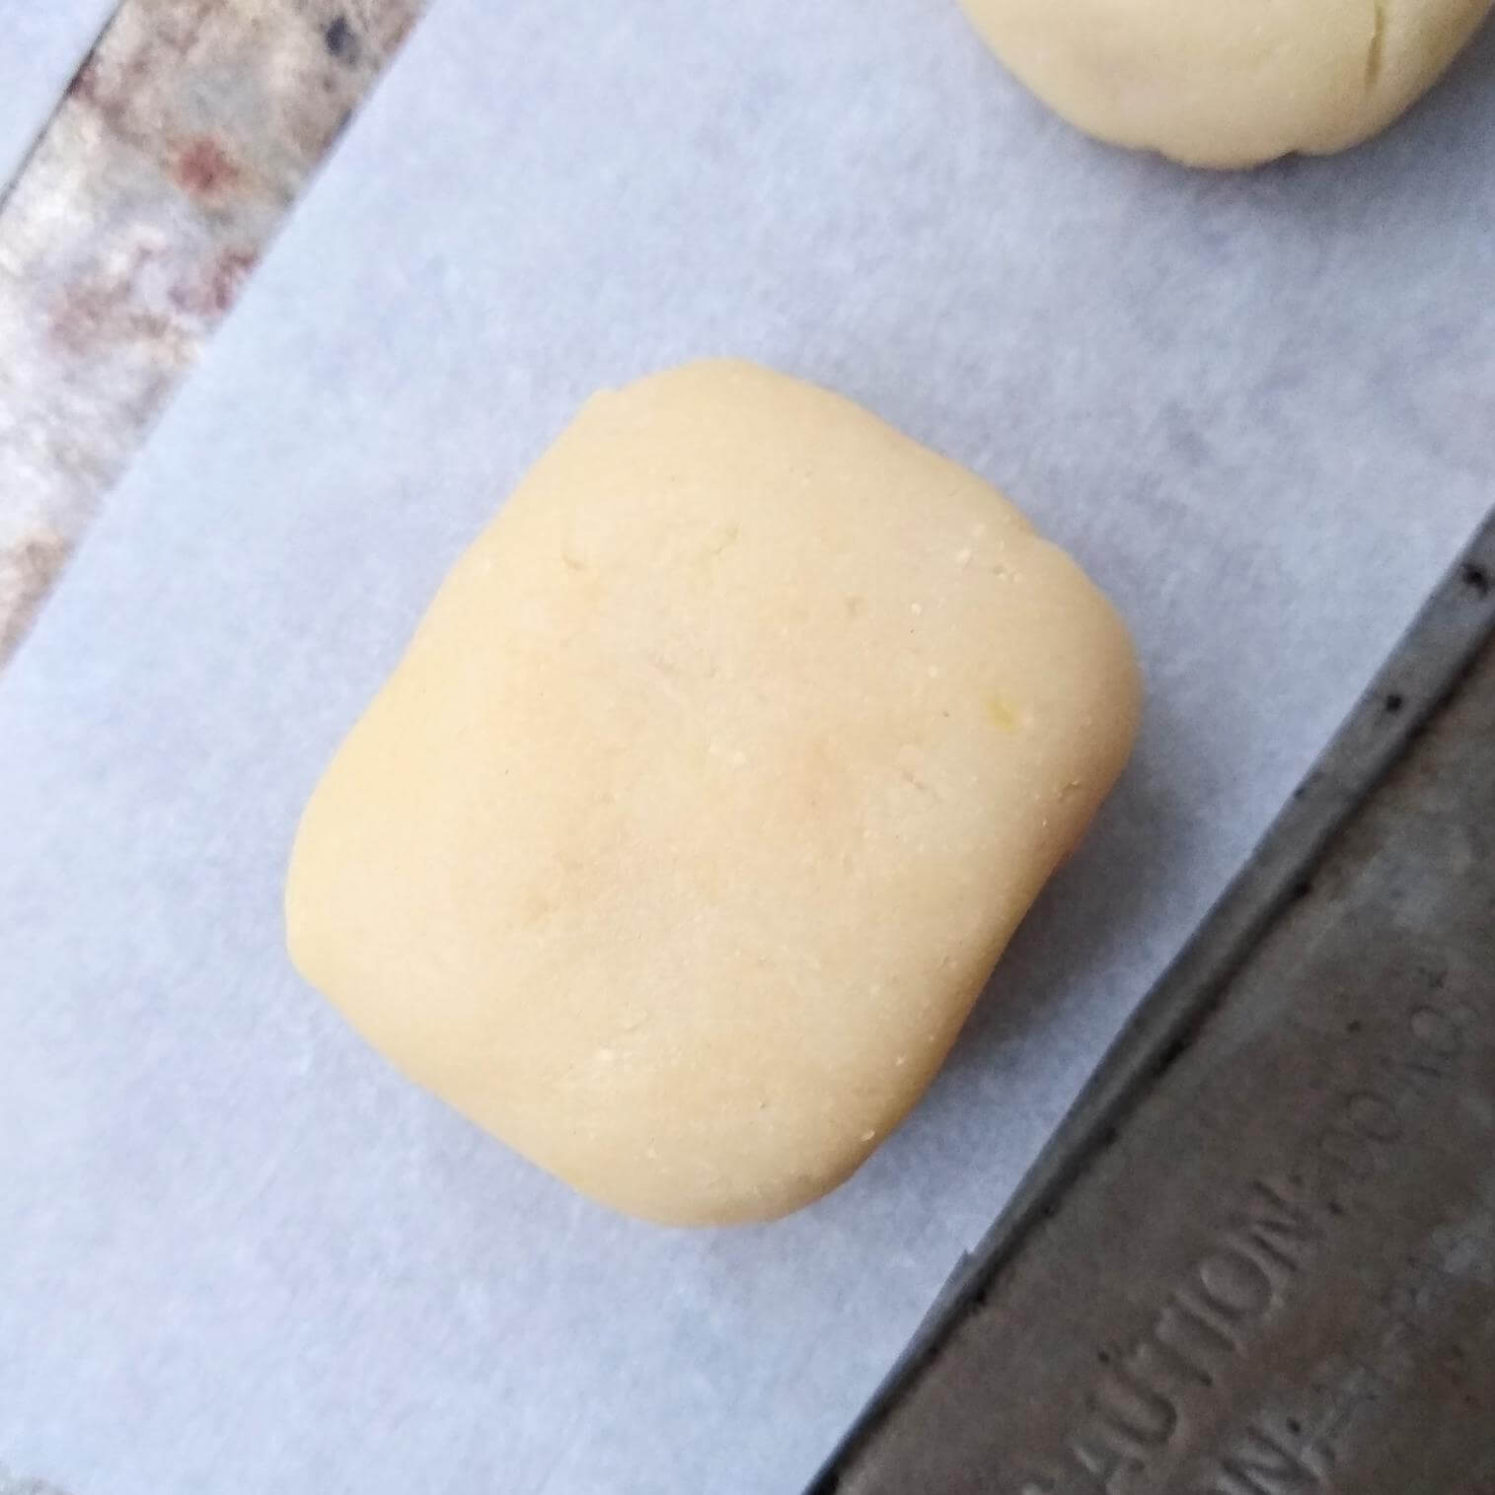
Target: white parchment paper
42, 44
236, 1252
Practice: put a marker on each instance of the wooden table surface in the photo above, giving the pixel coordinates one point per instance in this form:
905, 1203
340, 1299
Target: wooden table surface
162, 175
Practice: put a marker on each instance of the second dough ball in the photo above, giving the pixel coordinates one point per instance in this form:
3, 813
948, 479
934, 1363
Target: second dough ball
1225, 84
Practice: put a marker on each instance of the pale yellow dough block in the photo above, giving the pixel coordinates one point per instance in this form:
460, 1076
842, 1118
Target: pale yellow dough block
712, 786
1229, 82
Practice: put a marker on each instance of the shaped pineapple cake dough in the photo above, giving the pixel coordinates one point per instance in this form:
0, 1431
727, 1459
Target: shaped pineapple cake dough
1225, 83
724, 764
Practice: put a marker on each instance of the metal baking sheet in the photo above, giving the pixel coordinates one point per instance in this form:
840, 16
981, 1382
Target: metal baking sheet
1259, 1257
236, 1252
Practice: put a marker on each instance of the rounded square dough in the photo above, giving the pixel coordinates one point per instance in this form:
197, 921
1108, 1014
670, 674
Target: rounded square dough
717, 777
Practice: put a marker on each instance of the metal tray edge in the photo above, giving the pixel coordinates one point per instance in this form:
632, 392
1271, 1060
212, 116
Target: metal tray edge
1423, 671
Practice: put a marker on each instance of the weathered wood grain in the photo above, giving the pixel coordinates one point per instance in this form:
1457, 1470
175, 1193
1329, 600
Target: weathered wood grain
159, 181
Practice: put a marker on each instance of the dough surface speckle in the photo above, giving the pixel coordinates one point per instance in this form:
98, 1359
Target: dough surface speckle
709, 791
1223, 83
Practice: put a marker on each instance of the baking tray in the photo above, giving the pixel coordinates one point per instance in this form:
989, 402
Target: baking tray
1259, 1255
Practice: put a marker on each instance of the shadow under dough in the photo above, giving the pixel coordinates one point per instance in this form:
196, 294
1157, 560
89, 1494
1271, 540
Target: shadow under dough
1085, 918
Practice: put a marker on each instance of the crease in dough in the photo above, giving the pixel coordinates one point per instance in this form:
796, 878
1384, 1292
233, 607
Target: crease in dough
1222, 84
